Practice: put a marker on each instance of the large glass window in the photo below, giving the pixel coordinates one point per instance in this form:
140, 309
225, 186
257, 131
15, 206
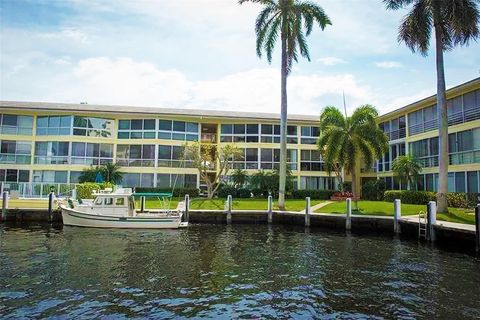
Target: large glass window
16, 125
50, 176
91, 153
317, 183
92, 127
18, 152
270, 159
248, 159
173, 156
168, 181
54, 125
51, 152
311, 160
177, 130
136, 155
133, 180
309, 135
14, 175
137, 129
239, 132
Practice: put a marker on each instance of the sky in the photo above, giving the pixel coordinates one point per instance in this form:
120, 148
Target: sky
201, 54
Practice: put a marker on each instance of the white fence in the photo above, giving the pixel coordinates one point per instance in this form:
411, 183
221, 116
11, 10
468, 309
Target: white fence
36, 190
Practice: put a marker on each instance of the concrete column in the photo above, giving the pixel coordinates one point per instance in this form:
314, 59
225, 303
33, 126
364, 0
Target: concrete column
4, 205
229, 209
477, 228
142, 204
348, 218
187, 207
307, 212
270, 209
431, 220
50, 206
397, 213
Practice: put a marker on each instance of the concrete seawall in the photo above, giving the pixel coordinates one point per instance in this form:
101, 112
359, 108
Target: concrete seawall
462, 237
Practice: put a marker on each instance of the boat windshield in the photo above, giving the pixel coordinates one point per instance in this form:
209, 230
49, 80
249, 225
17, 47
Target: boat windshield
131, 203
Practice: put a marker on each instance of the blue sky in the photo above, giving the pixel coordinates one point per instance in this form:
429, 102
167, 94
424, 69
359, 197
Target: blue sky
201, 54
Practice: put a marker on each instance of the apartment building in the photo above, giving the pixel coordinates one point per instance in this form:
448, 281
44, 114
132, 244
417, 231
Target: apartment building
45, 143
413, 129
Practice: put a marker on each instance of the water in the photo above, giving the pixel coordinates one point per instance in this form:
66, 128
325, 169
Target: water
217, 271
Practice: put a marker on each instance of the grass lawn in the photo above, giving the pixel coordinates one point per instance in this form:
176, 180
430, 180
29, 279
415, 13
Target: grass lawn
238, 204
381, 208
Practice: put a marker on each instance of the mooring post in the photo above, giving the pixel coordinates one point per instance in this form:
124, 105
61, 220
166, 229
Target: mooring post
229, 209
348, 219
431, 220
187, 207
270, 209
477, 228
397, 213
142, 204
307, 212
4, 205
50, 206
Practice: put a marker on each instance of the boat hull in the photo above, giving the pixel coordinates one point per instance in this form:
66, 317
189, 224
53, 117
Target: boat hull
77, 218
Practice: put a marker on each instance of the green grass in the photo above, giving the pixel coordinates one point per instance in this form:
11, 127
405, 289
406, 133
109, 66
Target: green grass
238, 204
381, 208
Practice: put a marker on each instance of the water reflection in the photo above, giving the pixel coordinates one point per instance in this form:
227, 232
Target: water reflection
230, 271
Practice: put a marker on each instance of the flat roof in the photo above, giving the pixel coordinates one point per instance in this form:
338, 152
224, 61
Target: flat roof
155, 111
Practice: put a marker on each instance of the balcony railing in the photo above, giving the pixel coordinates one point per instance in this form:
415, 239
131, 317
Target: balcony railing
52, 160
9, 158
465, 157
37, 190
208, 138
136, 162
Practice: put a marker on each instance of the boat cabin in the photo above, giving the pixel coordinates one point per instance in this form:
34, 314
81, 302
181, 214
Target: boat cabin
113, 204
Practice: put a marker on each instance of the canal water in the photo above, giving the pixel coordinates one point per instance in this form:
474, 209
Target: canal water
239, 271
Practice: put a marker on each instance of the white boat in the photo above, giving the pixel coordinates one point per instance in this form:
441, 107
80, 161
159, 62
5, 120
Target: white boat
117, 210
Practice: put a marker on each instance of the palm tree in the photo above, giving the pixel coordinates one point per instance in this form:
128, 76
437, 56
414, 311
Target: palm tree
293, 20
111, 172
407, 168
239, 178
454, 22
347, 140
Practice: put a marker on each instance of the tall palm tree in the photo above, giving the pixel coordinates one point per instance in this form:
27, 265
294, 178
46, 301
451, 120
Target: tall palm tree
111, 172
293, 20
407, 168
347, 140
454, 22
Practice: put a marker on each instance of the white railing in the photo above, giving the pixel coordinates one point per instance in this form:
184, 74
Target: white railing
26, 190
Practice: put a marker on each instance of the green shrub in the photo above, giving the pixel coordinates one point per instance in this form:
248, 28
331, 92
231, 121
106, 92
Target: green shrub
177, 192
225, 190
373, 190
85, 190
457, 200
259, 193
410, 196
243, 193
472, 199
313, 194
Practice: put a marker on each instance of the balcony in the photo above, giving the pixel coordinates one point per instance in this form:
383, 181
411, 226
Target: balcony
208, 138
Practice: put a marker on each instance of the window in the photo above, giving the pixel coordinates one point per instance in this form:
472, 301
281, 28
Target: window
51, 152
173, 156
74, 176
239, 132
270, 159
464, 146
18, 152
168, 181
136, 155
177, 130
50, 176
91, 153
16, 125
311, 160
108, 201
309, 135
137, 129
133, 180
270, 133
54, 125
317, 183
472, 182
120, 202
14, 175
92, 127
247, 160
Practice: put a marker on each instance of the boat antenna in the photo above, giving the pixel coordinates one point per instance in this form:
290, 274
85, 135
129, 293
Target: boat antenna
344, 104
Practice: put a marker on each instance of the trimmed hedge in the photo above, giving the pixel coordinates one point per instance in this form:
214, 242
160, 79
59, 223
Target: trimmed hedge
177, 192
244, 193
313, 194
224, 191
373, 190
455, 199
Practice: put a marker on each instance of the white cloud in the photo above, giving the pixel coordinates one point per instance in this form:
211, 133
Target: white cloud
65, 34
388, 64
331, 61
124, 81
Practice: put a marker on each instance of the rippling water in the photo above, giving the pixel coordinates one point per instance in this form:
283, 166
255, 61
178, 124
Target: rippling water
238, 271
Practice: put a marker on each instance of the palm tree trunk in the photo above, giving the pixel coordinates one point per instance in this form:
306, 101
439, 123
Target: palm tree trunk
283, 128
442, 126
